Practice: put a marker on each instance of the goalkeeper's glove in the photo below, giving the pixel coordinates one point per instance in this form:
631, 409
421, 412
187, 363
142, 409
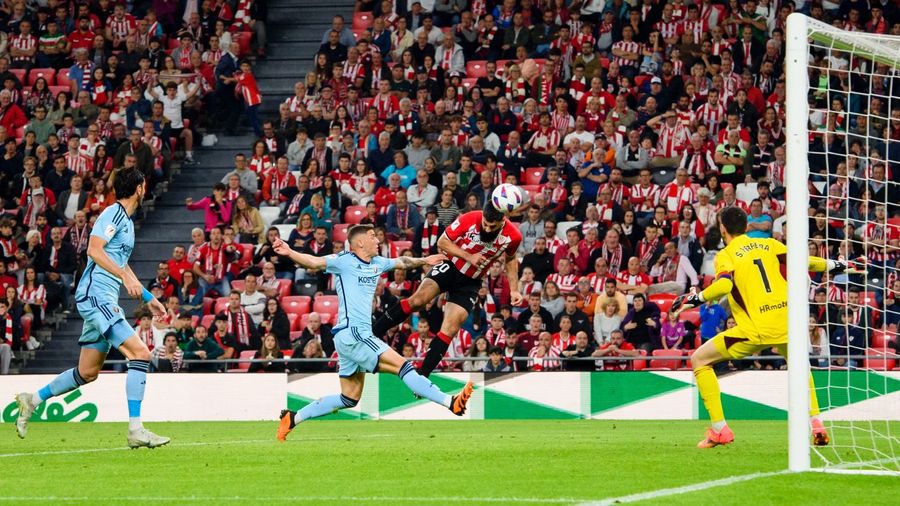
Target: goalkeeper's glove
836, 266
686, 301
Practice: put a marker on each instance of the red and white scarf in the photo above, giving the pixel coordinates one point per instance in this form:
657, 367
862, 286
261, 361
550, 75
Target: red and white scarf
487, 36
447, 61
546, 91
478, 8
239, 326
614, 258
670, 269
429, 237
516, 92
8, 334
279, 182
405, 124
146, 336
646, 250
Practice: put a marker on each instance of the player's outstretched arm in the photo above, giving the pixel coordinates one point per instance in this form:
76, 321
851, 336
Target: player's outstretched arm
302, 259
512, 275
101, 258
446, 245
819, 264
412, 263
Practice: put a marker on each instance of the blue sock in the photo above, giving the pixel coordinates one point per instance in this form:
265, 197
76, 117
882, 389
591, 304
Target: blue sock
135, 383
422, 386
66, 382
325, 406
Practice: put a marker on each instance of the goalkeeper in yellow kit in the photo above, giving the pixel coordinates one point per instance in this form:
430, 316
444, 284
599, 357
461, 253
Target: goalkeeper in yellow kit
748, 270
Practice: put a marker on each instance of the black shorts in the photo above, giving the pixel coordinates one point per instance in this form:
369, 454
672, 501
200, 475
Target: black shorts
460, 289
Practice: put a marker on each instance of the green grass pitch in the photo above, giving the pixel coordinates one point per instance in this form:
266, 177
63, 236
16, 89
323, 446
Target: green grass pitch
410, 463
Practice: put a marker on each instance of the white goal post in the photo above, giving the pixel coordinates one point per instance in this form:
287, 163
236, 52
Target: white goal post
866, 445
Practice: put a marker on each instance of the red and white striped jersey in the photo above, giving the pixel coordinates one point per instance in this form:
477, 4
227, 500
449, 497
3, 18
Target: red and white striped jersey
566, 282
562, 122
465, 232
597, 282
212, 260
879, 232
79, 164
711, 116
737, 203
697, 163
24, 43
672, 141
387, 105
697, 29
122, 27
674, 198
461, 343
619, 192
554, 244
561, 343
626, 278
644, 200
546, 362
249, 89
554, 195
718, 47
543, 140
630, 47
670, 29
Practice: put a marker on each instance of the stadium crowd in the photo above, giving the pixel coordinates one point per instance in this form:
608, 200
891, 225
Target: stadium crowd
629, 125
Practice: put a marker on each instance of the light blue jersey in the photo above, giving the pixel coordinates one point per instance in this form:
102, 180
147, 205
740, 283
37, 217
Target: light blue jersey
355, 282
116, 228
97, 296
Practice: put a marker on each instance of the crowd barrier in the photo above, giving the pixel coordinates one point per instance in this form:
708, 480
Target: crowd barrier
657, 395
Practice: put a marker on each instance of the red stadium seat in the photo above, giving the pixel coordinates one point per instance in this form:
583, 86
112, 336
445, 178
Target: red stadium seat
208, 320
296, 304
468, 82
640, 365
533, 175
476, 68
195, 320
48, 74
880, 339
398, 246
284, 287
56, 90
62, 78
663, 300
20, 74
354, 214
894, 222
220, 305
294, 320
707, 280
362, 20
237, 285
691, 315
287, 353
665, 364
326, 304
207, 304
245, 355
246, 255
879, 363
360, 32
243, 40
339, 232
295, 334
687, 361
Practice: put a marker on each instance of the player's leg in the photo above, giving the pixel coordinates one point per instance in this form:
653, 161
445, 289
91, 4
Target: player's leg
399, 312
93, 353
820, 434
391, 362
727, 345
351, 391
454, 316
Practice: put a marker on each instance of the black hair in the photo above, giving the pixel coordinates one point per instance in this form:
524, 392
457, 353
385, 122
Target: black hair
496, 350
491, 213
219, 187
356, 230
127, 182
734, 219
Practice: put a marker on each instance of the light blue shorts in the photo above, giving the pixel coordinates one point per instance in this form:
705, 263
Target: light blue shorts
105, 325
357, 350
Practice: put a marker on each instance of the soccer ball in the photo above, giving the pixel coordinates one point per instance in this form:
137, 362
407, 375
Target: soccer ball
507, 198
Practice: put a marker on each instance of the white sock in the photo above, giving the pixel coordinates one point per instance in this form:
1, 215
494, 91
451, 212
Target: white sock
189, 155
718, 426
135, 424
36, 400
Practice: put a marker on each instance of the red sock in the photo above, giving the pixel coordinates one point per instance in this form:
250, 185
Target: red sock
444, 337
404, 305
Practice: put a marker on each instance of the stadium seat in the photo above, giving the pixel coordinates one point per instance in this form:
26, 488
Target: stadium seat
246, 255
57, 89
663, 300
207, 304
326, 304
687, 361
284, 287
533, 175
195, 320
665, 364
62, 78
359, 32
894, 222
640, 365
469, 82
339, 232
294, 320
220, 305
207, 320
398, 246
298, 304
879, 362
640, 81
20, 74
26, 321
285, 230
245, 355
691, 315
354, 214
295, 334
563, 226
243, 40
237, 285
308, 288
707, 280
362, 20
287, 353
48, 74
269, 215
476, 68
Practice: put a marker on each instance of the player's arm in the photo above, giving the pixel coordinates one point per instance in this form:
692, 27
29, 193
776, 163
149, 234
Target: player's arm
819, 264
448, 246
302, 259
156, 307
101, 258
407, 263
512, 275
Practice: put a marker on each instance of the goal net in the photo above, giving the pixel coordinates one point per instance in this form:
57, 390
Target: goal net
843, 122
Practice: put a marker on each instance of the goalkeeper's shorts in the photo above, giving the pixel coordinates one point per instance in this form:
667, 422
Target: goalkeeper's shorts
735, 343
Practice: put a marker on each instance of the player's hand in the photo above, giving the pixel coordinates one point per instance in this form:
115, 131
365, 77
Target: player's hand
685, 301
435, 259
837, 266
281, 248
478, 260
515, 298
133, 286
157, 308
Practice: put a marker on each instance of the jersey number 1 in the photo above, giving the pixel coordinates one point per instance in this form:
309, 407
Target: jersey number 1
762, 273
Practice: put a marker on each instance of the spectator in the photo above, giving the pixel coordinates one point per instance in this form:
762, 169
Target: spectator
641, 325
268, 351
211, 262
223, 337
617, 346
758, 225
672, 333
168, 357
607, 321
608, 295
498, 360
216, 209
479, 349
33, 295
11, 340
578, 320
58, 264
311, 350
581, 348
202, 348
543, 354
403, 218
252, 300
275, 321
190, 294
240, 324
672, 272
712, 320
316, 330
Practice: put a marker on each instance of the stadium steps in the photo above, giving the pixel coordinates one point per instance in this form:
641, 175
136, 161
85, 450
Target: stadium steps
295, 31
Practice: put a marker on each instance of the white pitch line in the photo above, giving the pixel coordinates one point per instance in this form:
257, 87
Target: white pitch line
184, 445
277, 499
696, 487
